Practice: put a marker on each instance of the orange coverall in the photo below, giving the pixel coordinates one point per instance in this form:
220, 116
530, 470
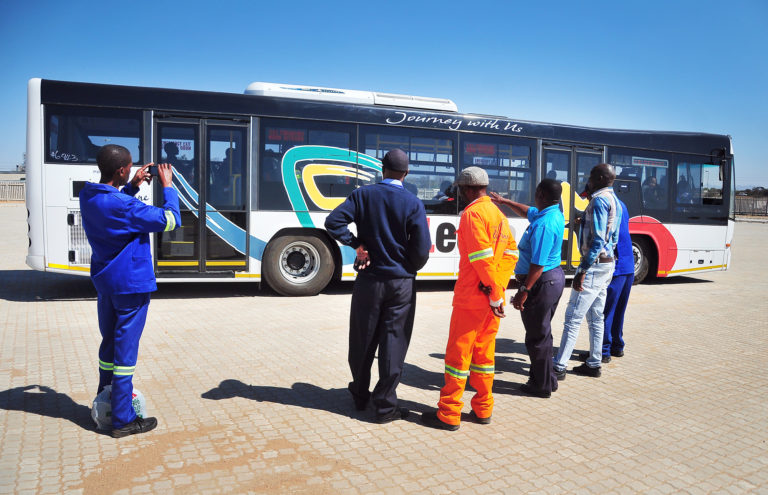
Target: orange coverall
488, 254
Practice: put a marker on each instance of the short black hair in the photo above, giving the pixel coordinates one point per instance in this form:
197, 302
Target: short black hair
551, 190
112, 157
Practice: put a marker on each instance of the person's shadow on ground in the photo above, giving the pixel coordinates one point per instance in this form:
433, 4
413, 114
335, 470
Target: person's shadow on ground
305, 395
45, 401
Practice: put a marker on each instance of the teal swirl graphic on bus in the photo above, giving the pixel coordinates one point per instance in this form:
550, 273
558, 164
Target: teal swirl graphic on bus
321, 161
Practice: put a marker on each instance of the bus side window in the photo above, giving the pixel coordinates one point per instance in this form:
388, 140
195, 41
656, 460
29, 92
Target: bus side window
699, 184
651, 170
271, 191
432, 167
75, 134
508, 163
330, 166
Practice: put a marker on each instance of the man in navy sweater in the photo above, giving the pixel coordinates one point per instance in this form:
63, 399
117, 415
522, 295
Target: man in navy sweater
392, 244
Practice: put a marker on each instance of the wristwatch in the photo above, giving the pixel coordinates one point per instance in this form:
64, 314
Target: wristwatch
523, 289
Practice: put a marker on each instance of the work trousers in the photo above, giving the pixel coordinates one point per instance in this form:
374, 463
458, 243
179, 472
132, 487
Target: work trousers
469, 354
539, 308
121, 322
381, 317
616, 301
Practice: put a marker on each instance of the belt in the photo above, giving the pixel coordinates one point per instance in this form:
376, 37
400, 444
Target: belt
604, 259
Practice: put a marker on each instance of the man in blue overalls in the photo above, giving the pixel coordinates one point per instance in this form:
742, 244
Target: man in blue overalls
117, 226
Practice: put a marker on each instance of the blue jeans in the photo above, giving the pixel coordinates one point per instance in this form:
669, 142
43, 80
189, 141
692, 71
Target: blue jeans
590, 303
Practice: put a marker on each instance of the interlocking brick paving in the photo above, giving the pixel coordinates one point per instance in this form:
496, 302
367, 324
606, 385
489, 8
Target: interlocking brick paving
250, 392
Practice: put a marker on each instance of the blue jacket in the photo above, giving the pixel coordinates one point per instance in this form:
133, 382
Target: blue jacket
117, 226
391, 224
625, 260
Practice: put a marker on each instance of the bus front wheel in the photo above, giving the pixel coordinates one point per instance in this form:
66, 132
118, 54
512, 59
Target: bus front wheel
297, 265
643, 253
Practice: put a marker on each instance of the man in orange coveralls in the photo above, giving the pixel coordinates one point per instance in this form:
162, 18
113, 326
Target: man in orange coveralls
488, 254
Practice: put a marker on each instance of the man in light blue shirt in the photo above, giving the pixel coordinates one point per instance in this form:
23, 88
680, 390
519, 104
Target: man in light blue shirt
598, 237
541, 281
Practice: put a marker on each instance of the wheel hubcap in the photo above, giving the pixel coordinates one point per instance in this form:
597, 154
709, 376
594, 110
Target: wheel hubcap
299, 262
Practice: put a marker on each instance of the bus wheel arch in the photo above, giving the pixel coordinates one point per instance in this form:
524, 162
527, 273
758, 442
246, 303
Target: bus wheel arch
299, 262
645, 252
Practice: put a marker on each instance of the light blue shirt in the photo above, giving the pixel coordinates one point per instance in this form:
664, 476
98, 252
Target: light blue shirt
393, 182
542, 241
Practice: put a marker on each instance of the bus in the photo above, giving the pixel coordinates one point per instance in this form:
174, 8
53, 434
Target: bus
258, 172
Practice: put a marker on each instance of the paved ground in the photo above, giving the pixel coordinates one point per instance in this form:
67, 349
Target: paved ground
249, 390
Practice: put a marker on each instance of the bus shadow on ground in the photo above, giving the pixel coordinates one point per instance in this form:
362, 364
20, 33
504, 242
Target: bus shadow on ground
34, 286
45, 401
675, 281
338, 287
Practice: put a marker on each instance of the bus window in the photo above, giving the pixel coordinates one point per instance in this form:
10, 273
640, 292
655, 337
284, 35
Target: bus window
326, 189
699, 184
432, 169
177, 147
651, 169
75, 134
226, 186
508, 163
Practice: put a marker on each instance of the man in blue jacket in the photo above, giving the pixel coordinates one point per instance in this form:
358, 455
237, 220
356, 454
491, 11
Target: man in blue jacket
117, 226
617, 296
392, 244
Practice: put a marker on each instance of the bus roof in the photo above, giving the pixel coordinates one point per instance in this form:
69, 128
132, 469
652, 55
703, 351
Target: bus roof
186, 102
337, 95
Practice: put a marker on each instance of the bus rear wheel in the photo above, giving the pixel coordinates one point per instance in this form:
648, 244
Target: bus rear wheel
642, 252
297, 265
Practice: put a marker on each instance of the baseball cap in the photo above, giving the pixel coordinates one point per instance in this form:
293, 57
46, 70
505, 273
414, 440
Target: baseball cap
472, 176
396, 160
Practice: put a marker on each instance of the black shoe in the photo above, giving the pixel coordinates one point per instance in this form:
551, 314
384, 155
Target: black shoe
587, 371
560, 375
529, 390
139, 425
430, 419
398, 413
477, 419
606, 359
617, 353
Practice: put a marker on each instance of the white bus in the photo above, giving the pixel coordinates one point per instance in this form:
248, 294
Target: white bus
257, 173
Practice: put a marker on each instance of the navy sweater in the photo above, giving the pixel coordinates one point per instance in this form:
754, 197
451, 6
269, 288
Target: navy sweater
391, 224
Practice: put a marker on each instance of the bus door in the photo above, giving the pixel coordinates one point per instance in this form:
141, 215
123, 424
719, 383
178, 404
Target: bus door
210, 165
570, 164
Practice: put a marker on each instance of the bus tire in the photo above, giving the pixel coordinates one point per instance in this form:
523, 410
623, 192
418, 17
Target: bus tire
643, 254
298, 265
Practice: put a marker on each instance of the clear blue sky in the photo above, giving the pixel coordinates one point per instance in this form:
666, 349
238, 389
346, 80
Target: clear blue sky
664, 65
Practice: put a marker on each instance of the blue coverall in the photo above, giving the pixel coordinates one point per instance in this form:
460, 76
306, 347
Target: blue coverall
117, 226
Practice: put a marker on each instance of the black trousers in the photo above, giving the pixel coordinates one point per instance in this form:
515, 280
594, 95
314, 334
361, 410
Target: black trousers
537, 318
381, 317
